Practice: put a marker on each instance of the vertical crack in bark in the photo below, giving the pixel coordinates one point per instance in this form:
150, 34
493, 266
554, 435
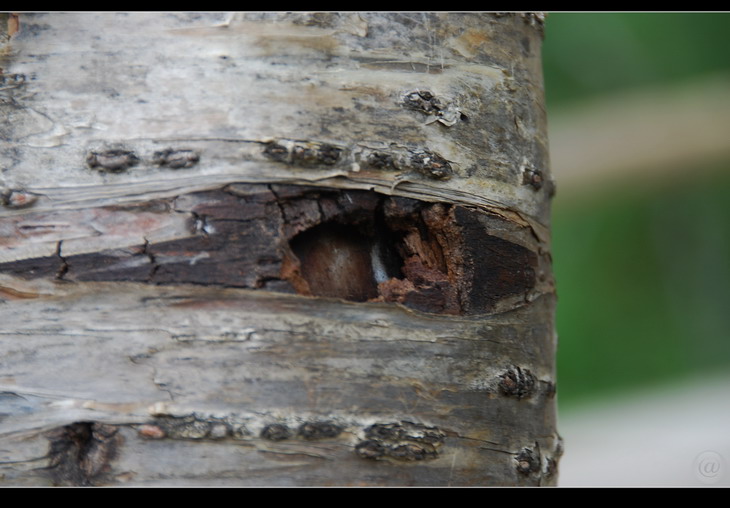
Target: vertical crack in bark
154, 265
63, 269
277, 200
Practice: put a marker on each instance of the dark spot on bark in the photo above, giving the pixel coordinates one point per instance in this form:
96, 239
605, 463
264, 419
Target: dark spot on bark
412, 451
176, 159
315, 154
319, 430
533, 178
112, 161
370, 449
420, 100
276, 432
527, 461
194, 427
381, 160
306, 154
384, 431
11, 80
276, 152
517, 382
17, 198
404, 441
431, 165
405, 431
445, 110
80, 453
239, 431
185, 427
330, 154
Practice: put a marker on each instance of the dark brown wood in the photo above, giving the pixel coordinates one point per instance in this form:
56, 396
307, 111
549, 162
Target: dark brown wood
355, 245
279, 249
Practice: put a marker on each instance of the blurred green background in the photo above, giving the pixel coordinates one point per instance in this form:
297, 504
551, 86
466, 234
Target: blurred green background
643, 270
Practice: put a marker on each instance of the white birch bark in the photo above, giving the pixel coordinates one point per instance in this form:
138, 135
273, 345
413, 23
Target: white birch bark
135, 366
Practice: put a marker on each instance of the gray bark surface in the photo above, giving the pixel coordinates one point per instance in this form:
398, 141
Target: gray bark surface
275, 249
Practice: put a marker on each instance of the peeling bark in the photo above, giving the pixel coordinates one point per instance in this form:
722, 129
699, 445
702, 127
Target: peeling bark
308, 249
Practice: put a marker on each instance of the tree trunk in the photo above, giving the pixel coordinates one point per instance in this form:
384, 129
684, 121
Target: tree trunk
275, 249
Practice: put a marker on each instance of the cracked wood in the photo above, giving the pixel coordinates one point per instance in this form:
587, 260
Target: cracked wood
354, 245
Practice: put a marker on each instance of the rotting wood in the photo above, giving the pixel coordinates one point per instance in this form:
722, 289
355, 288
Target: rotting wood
355, 245
308, 249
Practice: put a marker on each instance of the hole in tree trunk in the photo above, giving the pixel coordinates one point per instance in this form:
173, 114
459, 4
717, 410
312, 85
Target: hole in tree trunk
342, 262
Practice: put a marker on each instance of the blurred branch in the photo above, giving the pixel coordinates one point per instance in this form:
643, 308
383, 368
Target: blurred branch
648, 134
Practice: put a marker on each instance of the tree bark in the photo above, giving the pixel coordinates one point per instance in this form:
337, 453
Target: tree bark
275, 249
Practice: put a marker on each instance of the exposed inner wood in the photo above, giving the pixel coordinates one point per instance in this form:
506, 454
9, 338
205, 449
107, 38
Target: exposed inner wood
355, 245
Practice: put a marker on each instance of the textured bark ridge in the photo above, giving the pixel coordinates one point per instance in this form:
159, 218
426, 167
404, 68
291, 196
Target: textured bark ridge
355, 245
279, 249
